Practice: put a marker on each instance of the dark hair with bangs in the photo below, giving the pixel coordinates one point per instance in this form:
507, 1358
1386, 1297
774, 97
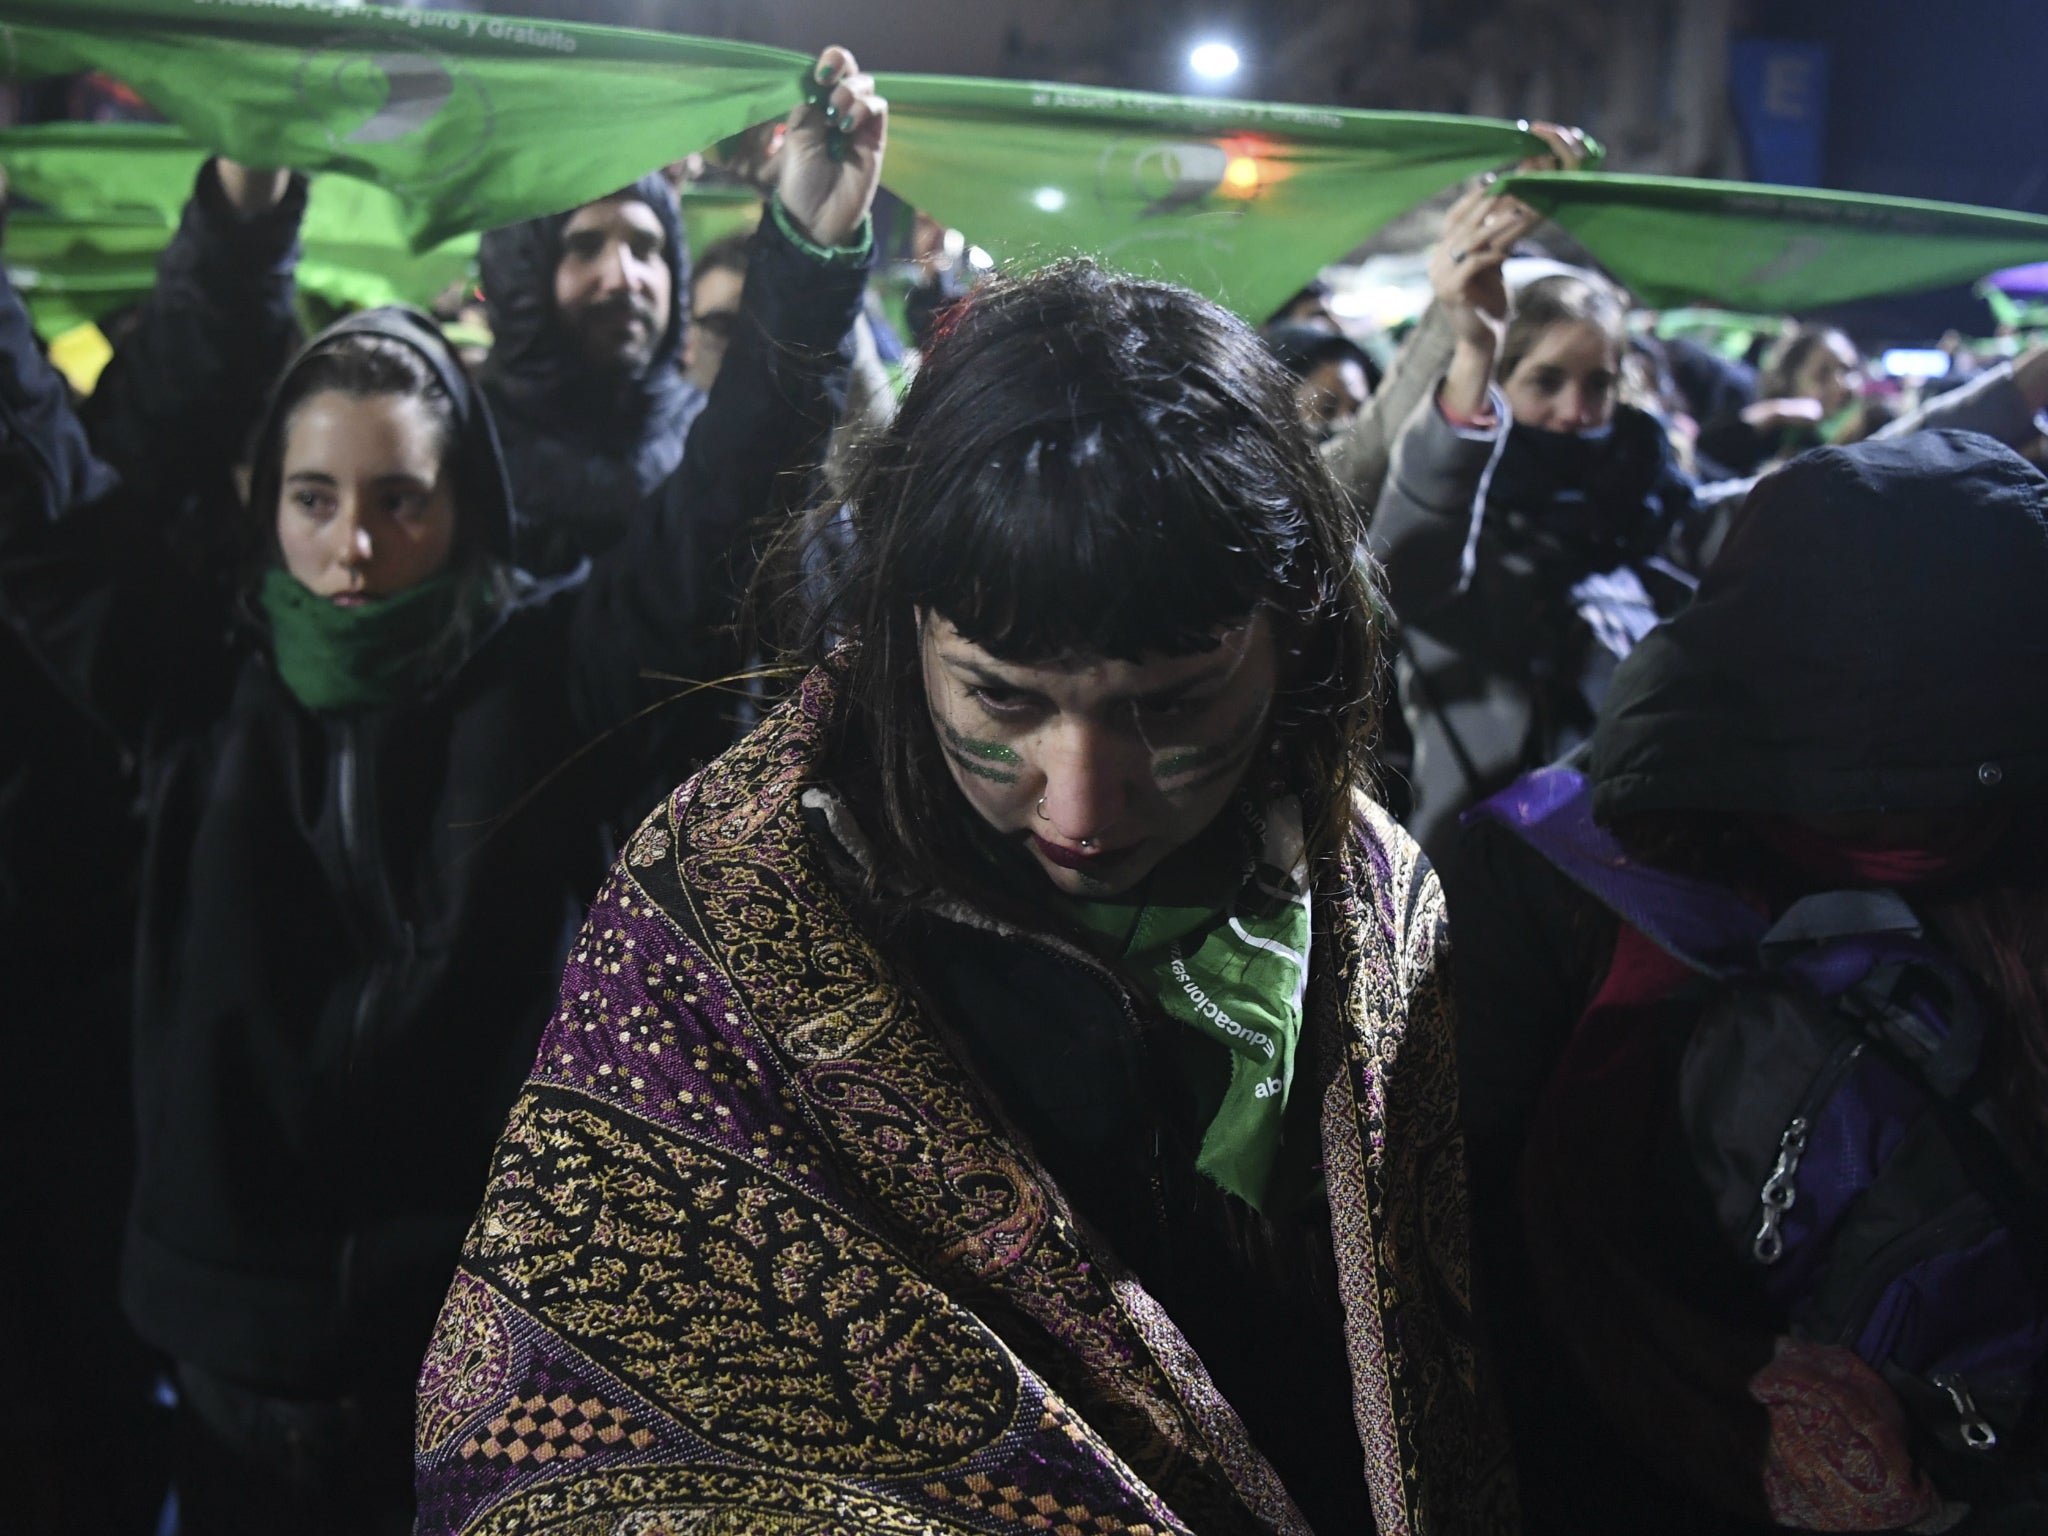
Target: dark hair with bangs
1089, 466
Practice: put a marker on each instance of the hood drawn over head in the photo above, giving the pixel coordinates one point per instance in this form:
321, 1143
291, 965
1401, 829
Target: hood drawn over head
484, 498
532, 358
1300, 347
1872, 637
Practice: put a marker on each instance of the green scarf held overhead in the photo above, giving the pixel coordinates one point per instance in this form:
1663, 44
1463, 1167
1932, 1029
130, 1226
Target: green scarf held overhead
1235, 969
385, 650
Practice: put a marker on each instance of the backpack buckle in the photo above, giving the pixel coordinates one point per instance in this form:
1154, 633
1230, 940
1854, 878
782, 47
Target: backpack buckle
1778, 1193
1978, 1435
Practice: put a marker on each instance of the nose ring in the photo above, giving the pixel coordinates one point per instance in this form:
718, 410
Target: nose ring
1086, 842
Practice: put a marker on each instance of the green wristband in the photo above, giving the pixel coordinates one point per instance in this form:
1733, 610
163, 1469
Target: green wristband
852, 255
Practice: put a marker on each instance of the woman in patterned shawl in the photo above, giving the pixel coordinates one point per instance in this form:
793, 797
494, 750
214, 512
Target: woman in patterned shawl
1012, 1090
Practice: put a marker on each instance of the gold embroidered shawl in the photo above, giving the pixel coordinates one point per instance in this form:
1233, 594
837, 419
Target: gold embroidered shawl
755, 1257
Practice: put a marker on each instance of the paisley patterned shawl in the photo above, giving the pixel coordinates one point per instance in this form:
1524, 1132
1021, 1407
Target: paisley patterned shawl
755, 1257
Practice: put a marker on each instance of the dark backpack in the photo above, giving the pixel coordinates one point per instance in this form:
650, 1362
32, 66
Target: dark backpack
1833, 1121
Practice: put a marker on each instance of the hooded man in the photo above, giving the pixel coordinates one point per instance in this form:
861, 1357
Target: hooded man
585, 376
584, 383
588, 311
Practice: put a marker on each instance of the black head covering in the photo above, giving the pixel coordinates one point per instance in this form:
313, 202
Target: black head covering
1588, 501
581, 457
1301, 347
1872, 637
475, 458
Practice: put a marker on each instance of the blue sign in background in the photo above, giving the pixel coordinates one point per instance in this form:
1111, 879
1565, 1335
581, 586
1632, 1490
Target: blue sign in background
1780, 91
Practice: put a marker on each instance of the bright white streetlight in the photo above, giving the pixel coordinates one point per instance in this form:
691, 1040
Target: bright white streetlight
1050, 199
1214, 61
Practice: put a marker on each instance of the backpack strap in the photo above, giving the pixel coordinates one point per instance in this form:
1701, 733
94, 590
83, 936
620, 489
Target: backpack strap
1832, 915
1707, 927
1856, 946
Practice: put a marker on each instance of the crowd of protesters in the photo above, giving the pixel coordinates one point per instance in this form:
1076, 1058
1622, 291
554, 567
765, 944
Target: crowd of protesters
807, 897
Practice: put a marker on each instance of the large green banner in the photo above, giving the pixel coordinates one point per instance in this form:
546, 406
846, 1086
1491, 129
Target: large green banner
1783, 250
1236, 200
470, 121
70, 271
465, 121
88, 170
110, 194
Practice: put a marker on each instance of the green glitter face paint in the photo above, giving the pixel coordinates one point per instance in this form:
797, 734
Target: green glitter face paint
984, 759
1213, 760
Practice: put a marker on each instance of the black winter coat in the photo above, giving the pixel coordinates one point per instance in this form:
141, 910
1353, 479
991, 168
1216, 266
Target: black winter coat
351, 923
69, 845
221, 310
223, 313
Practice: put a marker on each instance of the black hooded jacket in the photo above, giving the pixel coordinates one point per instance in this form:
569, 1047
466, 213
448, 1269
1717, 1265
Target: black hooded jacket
1872, 637
582, 458
352, 922
174, 409
175, 404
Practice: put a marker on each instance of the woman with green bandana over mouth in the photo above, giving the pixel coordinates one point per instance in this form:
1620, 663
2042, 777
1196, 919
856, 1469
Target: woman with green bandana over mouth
1014, 1085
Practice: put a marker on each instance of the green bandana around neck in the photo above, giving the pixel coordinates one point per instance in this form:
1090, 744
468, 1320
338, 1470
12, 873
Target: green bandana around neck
1235, 969
384, 650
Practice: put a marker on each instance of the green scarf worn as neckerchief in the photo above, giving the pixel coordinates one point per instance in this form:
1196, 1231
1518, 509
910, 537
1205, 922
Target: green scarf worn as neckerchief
1234, 967
387, 649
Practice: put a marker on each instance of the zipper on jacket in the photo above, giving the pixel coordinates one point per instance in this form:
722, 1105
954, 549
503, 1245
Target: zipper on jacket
1140, 1068
1779, 1193
363, 856
1977, 1433
368, 889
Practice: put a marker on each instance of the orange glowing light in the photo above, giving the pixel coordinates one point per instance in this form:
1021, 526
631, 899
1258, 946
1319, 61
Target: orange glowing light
1252, 167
